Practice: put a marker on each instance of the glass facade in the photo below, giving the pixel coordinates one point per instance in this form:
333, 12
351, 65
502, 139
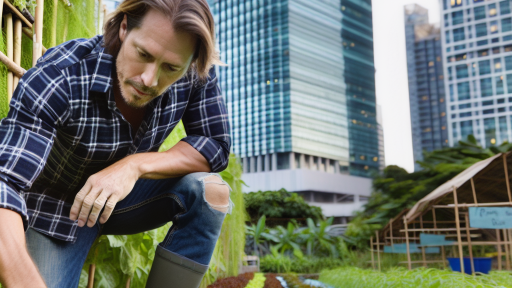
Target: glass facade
290, 65
480, 105
426, 81
359, 76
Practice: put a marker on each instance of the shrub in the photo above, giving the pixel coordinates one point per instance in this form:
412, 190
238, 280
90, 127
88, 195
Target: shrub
279, 204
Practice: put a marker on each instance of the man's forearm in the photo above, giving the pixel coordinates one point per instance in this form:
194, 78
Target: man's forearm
180, 160
16, 267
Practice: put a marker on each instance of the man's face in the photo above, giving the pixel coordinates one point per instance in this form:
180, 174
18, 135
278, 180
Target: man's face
152, 57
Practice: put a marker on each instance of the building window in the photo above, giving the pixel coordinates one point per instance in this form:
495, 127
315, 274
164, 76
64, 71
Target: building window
509, 84
479, 12
499, 85
486, 87
457, 17
462, 71
494, 27
481, 29
506, 24
463, 91
482, 53
492, 10
504, 7
484, 67
458, 34
497, 65
490, 131
466, 128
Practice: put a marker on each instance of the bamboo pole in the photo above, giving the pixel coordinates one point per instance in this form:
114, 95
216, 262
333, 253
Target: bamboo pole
423, 254
10, 53
16, 69
457, 220
378, 249
371, 250
53, 39
66, 20
391, 231
466, 205
498, 239
474, 191
443, 251
18, 13
38, 32
438, 229
505, 167
28, 32
100, 14
470, 247
90, 282
409, 264
17, 49
507, 259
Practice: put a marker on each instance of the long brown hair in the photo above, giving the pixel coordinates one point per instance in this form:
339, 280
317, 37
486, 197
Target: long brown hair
186, 16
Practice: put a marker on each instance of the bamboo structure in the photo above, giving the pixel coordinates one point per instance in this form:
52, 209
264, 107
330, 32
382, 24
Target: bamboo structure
38, 32
445, 212
378, 248
17, 48
10, 52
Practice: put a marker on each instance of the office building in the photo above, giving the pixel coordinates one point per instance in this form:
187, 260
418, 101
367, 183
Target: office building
477, 48
426, 83
285, 90
359, 78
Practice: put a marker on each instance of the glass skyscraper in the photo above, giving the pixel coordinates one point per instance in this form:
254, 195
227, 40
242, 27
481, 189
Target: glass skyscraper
359, 77
285, 87
426, 82
477, 45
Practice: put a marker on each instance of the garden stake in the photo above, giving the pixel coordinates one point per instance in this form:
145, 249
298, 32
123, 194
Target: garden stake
10, 52
470, 247
498, 239
409, 265
90, 280
17, 49
457, 222
391, 230
378, 248
371, 250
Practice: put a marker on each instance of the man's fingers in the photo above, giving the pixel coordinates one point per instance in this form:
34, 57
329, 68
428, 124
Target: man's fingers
109, 207
87, 205
79, 199
96, 209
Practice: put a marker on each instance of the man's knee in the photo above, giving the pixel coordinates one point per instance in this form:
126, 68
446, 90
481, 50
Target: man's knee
216, 193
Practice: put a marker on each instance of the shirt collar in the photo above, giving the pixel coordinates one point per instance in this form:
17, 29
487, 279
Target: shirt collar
102, 76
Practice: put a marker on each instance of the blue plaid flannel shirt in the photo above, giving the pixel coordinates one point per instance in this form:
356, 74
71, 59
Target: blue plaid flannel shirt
63, 126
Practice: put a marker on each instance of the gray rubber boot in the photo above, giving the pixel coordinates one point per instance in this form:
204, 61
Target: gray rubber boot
171, 270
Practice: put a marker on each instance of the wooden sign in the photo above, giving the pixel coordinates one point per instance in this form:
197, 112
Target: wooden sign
490, 217
433, 240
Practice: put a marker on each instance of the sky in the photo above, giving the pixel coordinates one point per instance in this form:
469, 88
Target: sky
391, 76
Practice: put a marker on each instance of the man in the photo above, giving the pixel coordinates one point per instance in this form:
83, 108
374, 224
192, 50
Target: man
78, 148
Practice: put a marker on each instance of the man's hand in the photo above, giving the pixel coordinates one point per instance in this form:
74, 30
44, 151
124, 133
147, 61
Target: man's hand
104, 189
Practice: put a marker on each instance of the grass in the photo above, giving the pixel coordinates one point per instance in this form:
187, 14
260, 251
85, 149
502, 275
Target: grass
402, 278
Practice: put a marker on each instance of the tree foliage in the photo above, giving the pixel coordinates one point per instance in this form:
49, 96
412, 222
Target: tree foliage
396, 189
279, 204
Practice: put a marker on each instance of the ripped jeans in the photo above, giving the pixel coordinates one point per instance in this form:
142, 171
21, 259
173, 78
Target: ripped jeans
151, 204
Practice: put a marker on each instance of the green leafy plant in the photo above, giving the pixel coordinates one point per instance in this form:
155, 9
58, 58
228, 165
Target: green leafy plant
288, 239
257, 282
317, 239
257, 237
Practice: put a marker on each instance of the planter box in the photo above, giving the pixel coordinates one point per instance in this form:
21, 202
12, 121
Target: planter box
482, 264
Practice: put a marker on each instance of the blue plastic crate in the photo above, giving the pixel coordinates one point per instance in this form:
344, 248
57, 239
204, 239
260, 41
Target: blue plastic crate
482, 264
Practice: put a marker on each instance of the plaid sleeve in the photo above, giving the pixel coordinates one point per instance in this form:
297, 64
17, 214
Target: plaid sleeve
39, 104
207, 125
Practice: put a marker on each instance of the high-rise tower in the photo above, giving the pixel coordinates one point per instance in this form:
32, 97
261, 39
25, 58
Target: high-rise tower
426, 82
285, 90
477, 45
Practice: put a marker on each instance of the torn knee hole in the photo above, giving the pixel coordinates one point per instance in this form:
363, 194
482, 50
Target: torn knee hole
216, 193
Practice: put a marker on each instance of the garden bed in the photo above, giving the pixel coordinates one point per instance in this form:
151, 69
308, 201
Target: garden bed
261, 280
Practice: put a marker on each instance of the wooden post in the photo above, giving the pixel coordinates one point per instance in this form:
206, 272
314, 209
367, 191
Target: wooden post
371, 249
473, 189
423, 254
100, 20
506, 239
38, 32
378, 248
17, 49
409, 265
443, 251
506, 176
470, 247
498, 239
10, 52
457, 222
391, 231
